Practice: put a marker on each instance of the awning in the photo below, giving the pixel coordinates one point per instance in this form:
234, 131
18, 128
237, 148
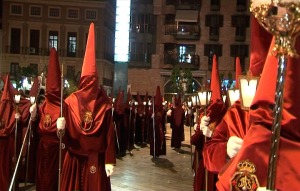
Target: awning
187, 16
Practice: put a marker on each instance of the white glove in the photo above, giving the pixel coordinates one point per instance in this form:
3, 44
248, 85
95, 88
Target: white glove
195, 126
33, 111
233, 146
17, 115
204, 126
61, 123
261, 189
109, 169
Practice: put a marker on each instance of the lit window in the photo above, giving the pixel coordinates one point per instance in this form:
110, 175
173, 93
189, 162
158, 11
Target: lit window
72, 44
53, 39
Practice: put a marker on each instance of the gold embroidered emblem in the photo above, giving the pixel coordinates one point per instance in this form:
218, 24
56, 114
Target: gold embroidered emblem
244, 179
47, 121
2, 123
93, 169
87, 121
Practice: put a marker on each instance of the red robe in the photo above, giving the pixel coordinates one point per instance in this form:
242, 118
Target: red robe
234, 123
256, 145
215, 111
177, 125
91, 138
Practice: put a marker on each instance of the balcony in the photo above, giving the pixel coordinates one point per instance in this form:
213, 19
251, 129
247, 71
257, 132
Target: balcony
187, 60
183, 32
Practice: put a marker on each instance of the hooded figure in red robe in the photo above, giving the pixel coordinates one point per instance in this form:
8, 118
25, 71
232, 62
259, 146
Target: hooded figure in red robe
119, 119
227, 138
129, 121
256, 146
215, 112
157, 131
7, 135
177, 123
50, 111
89, 129
139, 120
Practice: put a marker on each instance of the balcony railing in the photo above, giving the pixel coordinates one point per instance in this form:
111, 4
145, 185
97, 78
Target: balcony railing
191, 32
175, 59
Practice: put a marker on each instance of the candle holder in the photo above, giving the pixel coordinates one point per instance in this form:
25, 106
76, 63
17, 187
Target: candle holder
280, 18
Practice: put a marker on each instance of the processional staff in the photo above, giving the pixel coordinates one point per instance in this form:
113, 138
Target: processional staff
60, 132
12, 182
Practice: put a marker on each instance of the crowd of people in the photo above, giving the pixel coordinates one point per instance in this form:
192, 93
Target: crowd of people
75, 139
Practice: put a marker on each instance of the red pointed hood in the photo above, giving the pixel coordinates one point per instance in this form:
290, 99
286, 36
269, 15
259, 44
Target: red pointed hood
260, 43
35, 88
53, 82
215, 84
7, 94
90, 98
158, 101
265, 92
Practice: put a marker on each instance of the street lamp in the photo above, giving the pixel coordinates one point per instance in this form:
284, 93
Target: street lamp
248, 85
233, 95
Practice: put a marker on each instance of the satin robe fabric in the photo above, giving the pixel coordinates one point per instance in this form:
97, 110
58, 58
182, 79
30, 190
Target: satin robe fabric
234, 123
177, 125
88, 149
256, 145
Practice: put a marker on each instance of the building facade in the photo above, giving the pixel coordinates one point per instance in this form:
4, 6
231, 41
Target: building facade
32, 27
167, 38
168, 35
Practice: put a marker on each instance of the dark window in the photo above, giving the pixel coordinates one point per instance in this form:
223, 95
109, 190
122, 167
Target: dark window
73, 13
240, 21
240, 50
210, 50
16, 10
240, 34
214, 22
34, 42
241, 5
72, 44
141, 52
54, 12
15, 40
14, 68
35, 11
215, 5
142, 23
91, 15
53, 40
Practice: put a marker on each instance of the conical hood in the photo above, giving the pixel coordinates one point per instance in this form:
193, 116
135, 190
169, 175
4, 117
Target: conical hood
7, 94
178, 101
215, 85
260, 43
129, 98
238, 71
35, 88
53, 82
265, 92
89, 61
158, 100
